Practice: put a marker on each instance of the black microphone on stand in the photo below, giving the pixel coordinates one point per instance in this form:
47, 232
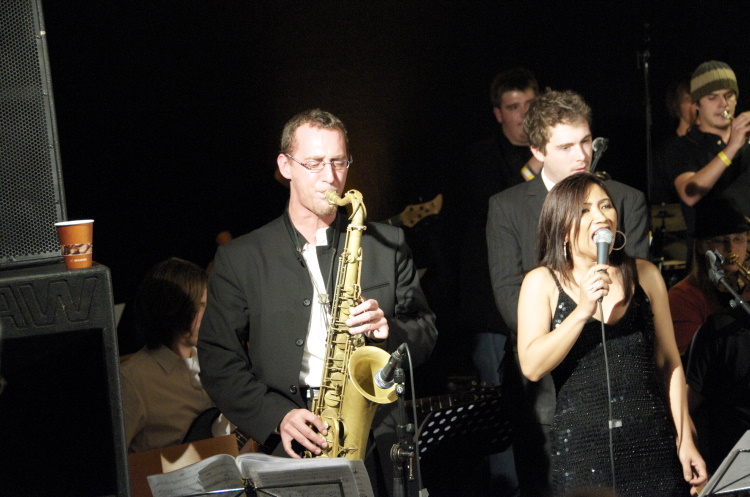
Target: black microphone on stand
384, 376
718, 277
599, 145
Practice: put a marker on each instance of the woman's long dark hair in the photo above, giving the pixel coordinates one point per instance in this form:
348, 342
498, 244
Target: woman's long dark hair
561, 212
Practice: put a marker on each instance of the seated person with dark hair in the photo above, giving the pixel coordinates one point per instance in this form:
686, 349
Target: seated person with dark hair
718, 226
161, 392
718, 377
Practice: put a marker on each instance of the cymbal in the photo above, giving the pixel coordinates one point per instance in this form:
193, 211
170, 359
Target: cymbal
667, 215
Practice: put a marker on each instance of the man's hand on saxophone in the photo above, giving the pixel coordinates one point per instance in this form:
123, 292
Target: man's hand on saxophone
306, 427
368, 318
297, 425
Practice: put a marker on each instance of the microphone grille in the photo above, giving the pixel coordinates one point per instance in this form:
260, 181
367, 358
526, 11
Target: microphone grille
603, 235
600, 144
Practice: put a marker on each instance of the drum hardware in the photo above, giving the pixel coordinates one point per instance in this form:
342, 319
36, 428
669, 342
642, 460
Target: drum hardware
668, 243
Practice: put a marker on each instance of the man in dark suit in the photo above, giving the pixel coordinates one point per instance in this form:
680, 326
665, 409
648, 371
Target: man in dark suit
490, 166
558, 125
262, 341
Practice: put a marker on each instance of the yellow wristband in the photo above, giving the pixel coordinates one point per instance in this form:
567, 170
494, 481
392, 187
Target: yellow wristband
527, 173
726, 160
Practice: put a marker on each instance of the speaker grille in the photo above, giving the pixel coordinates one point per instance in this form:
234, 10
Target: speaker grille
31, 196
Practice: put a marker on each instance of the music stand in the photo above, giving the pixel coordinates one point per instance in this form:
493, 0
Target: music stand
481, 424
230, 492
733, 474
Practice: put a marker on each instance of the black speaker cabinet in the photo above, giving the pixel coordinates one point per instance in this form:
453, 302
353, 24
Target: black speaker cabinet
31, 191
61, 430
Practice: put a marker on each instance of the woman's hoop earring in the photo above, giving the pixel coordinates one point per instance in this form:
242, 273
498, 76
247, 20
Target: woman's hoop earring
565, 250
624, 240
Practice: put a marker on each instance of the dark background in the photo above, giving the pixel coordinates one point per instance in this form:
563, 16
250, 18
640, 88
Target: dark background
169, 112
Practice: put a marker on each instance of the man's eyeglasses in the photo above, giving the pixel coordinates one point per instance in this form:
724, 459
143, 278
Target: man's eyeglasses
315, 166
724, 241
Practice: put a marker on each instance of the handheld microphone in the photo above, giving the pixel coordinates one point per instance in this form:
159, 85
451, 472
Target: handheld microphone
384, 376
603, 239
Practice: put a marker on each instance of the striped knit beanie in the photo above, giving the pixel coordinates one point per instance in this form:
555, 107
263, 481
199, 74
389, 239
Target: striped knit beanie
711, 76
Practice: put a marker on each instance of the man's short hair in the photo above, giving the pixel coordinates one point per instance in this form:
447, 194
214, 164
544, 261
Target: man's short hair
550, 109
315, 118
519, 79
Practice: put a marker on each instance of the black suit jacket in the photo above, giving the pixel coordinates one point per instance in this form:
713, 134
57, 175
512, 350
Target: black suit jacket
254, 329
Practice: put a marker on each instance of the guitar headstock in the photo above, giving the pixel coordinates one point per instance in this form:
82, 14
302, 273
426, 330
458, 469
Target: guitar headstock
415, 213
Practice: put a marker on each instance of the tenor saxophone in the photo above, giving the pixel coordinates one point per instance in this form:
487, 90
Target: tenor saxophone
348, 395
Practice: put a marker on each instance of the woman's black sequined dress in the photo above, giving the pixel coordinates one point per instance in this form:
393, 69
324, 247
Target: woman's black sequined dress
646, 462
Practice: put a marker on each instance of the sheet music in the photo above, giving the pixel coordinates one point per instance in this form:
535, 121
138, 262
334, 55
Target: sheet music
279, 476
318, 476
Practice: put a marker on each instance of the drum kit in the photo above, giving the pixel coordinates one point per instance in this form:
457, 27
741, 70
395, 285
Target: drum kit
669, 249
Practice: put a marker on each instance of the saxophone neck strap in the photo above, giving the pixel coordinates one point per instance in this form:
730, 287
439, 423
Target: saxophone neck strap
333, 234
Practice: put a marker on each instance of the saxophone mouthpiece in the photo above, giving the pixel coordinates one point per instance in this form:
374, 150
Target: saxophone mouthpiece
332, 197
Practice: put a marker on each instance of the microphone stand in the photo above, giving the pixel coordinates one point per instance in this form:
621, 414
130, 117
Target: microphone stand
717, 275
643, 60
402, 452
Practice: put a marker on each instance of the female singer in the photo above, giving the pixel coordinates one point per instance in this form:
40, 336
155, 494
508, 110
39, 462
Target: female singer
636, 371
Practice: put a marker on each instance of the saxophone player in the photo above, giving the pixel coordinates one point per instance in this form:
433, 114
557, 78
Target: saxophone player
263, 337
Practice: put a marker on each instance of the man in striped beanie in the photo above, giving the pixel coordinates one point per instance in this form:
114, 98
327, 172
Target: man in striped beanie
712, 76
713, 158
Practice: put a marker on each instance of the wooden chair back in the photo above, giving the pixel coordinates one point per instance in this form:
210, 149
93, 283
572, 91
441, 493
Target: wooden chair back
157, 461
